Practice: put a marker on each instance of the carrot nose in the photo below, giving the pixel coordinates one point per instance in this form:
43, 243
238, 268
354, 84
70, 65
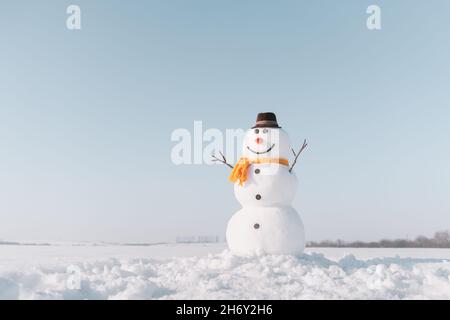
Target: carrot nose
259, 140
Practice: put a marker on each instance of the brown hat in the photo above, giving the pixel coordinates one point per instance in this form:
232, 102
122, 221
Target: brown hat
266, 120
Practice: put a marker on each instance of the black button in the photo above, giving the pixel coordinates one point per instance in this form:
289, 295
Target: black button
256, 226
258, 197
257, 171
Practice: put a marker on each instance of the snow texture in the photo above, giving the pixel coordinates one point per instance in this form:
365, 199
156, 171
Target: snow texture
225, 276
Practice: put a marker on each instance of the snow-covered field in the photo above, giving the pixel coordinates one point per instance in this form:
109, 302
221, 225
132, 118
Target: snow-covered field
197, 271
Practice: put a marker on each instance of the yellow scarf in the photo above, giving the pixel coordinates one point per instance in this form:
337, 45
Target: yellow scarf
240, 170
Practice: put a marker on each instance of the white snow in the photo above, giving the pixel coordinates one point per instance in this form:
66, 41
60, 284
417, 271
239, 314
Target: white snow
198, 271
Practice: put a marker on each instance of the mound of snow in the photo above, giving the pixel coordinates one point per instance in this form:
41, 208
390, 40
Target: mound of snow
224, 276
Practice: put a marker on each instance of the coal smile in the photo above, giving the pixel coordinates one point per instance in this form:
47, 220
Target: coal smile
261, 152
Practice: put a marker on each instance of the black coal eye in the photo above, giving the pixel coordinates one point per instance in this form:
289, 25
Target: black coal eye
265, 131
257, 131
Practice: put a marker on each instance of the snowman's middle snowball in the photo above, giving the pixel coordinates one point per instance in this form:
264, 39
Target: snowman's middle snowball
267, 185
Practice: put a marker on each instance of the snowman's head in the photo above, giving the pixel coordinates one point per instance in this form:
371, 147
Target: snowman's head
266, 143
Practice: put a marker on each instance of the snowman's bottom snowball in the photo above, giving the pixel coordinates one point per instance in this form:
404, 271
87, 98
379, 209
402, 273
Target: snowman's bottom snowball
265, 230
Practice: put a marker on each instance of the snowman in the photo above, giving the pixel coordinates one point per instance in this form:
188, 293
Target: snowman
265, 186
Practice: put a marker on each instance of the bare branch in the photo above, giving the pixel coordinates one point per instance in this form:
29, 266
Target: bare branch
293, 151
223, 160
305, 144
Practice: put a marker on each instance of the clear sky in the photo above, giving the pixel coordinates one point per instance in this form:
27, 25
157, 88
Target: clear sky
86, 116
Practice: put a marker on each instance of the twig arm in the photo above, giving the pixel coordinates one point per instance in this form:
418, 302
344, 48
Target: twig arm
223, 160
305, 144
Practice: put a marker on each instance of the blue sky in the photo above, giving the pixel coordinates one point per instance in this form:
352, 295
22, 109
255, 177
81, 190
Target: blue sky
86, 116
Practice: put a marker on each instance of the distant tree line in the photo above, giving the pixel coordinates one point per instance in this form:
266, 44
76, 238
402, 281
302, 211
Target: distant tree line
441, 239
